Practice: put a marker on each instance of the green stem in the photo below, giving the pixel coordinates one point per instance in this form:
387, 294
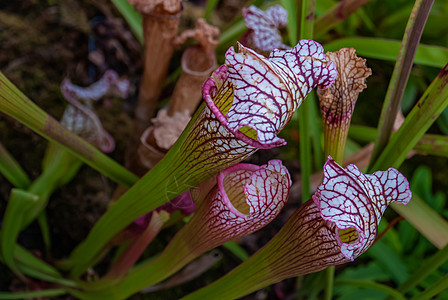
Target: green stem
59, 170
374, 286
337, 14
292, 24
426, 220
234, 285
362, 133
400, 75
316, 132
132, 253
237, 250
306, 23
32, 266
429, 144
45, 277
209, 8
20, 202
11, 169
305, 150
427, 267
133, 18
433, 144
329, 282
27, 261
436, 288
306, 13
417, 122
45, 230
175, 256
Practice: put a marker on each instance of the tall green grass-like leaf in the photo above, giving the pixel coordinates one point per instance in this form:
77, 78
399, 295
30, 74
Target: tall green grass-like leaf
19, 204
60, 167
305, 24
385, 49
436, 288
227, 36
25, 258
209, 8
426, 220
418, 121
400, 75
34, 267
133, 18
427, 267
421, 117
429, 144
373, 285
293, 21
336, 14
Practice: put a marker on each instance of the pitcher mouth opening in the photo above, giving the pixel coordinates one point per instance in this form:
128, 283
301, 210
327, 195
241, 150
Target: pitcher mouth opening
233, 192
348, 236
239, 202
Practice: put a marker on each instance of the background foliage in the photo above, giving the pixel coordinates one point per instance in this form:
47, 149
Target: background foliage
42, 42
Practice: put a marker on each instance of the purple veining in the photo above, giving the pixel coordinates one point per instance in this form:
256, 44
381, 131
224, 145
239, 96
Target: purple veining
247, 197
356, 201
264, 34
80, 118
266, 91
244, 199
184, 203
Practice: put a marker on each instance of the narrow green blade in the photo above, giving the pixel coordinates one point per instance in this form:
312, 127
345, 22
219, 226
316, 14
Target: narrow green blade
19, 204
421, 117
133, 17
11, 169
386, 49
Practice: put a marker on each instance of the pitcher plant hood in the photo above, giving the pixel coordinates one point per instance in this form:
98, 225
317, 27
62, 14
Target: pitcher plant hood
244, 199
265, 92
264, 27
247, 102
355, 203
336, 226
